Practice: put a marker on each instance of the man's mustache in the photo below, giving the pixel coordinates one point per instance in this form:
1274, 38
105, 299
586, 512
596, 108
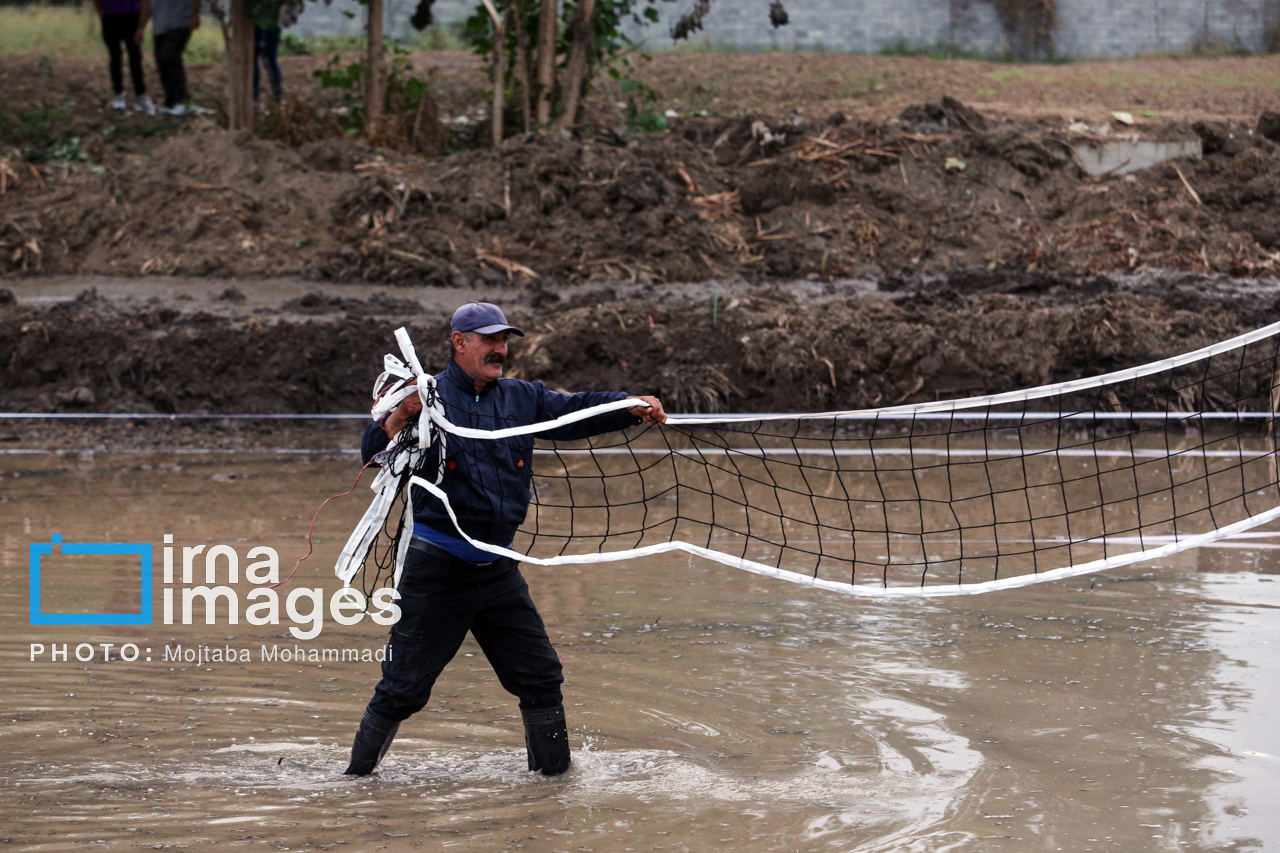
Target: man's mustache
495, 358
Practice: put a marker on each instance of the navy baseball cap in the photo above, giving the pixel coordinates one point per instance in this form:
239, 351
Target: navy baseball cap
483, 318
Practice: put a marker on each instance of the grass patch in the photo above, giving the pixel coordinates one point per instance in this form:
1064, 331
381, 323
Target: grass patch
1214, 47
52, 131
43, 29
1222, 79
703, 45
40, 134
942, 50
1005, 76
151, 129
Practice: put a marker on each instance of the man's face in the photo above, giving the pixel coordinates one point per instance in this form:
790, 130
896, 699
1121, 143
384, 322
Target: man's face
482, 357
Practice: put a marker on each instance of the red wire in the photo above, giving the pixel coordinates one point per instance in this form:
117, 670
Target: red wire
310, 544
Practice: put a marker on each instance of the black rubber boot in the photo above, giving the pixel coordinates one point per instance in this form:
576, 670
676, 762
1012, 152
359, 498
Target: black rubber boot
546, 738
372, 741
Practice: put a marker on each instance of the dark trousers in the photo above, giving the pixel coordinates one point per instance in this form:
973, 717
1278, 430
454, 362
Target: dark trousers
173, 75
266, 45
118, 30
441, 599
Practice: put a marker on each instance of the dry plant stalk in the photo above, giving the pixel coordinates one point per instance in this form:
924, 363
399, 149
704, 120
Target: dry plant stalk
1194, 195
377, 164
717, 207
7, 176
504, 265
684, 176
868, 237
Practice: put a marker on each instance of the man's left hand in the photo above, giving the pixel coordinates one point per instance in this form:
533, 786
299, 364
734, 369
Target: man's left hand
652, 414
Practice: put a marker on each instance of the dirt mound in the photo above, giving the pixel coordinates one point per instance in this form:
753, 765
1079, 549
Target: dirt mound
207, 202
946, 117
761, 349
938, 189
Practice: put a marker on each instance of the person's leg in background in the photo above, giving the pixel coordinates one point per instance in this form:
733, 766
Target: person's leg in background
113, 33
270, 53
142, 103
173, 76
257, 58
266, 47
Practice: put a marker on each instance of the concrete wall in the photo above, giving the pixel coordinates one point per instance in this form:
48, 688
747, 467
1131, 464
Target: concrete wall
1097, 28
1086, 28
859, 26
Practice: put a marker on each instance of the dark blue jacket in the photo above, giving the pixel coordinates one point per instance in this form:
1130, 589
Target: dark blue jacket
489, 482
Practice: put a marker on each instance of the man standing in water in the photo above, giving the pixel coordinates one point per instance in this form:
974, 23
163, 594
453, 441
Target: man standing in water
449, 586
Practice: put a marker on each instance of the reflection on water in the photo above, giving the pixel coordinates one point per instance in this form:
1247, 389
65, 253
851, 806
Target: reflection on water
709, 709
1245, 629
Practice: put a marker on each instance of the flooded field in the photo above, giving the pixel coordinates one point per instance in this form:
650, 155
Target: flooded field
708, 708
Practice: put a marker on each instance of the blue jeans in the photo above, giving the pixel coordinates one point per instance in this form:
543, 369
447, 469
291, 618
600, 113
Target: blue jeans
266, 44
441, 598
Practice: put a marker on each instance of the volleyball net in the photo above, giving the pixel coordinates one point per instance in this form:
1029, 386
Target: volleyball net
940, 498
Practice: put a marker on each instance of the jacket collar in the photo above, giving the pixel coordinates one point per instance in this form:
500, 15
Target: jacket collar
458, 377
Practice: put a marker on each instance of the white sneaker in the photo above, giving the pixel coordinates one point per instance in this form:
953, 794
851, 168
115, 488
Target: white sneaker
144, 104
118, 103
175, 110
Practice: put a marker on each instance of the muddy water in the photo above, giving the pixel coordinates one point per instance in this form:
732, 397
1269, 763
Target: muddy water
709, 709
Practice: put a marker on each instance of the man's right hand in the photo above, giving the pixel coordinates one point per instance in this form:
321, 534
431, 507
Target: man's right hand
405, 413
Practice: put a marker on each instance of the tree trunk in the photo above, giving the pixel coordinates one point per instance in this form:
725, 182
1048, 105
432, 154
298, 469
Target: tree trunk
522, 63
375, 90
575, 74
499, 67
548, 21
428, 133
240, 58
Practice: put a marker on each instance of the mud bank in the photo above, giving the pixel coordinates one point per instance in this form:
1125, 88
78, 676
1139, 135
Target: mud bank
725, 347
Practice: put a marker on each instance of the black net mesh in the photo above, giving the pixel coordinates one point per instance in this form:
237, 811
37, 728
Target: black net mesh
913, 497
929, 498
